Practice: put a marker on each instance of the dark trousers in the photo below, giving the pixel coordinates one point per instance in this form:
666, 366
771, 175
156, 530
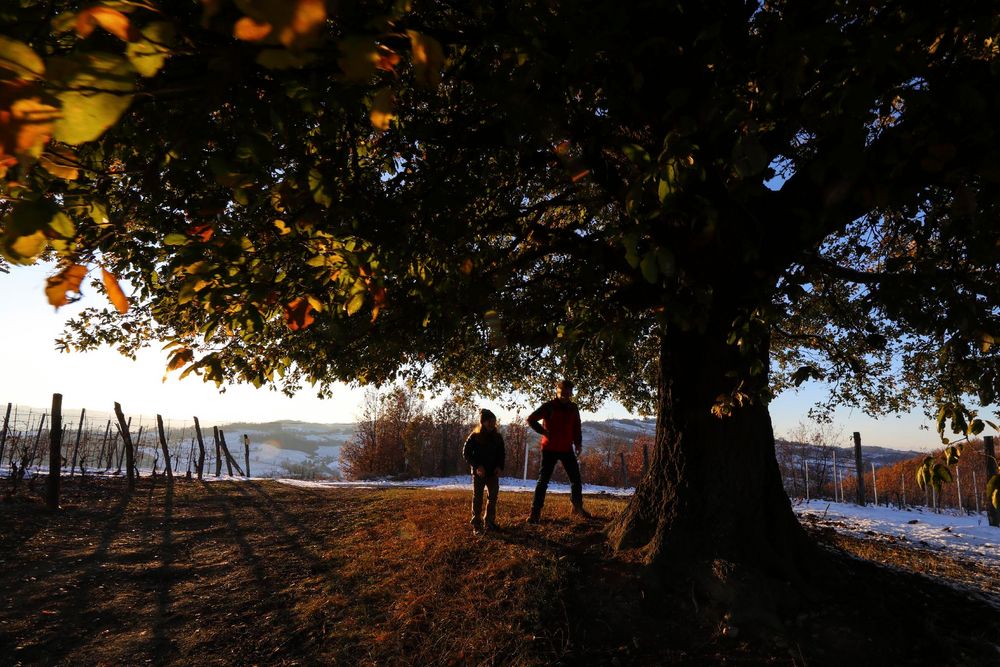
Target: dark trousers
572, 468
491, 483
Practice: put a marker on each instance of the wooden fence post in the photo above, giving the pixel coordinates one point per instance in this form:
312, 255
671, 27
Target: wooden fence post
3, 432
38, 440
991, 469
218, 451
55, 454
76, 447
874, 484
104, 444
621, 457
246, 452
123, 427
230, 461
201, 447
166, 452
860, 468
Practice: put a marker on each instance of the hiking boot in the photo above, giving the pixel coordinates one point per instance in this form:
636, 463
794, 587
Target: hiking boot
534, 516
477, 528
492, 526
582, 513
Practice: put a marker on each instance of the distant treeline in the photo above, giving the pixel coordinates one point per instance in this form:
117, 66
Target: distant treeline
397, 435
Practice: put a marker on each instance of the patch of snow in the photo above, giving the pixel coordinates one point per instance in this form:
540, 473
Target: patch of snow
968, 535
458, 483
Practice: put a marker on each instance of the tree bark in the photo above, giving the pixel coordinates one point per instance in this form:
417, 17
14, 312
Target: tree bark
712, 502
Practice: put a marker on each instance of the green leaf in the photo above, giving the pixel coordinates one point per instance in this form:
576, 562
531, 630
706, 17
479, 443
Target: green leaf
649, 269
666, 261
318, 189
149, 53
637, 154
99, 88
20, 59
951, 455
749, 157
175, 238
62, 225
942, 473
24, 235
977, 426
631, 243
668, 181
354, 305
993, 490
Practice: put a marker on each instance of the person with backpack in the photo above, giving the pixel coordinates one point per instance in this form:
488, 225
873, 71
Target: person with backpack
558, 422
484, 452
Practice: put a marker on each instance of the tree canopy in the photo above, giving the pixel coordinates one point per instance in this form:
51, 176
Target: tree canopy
491, 195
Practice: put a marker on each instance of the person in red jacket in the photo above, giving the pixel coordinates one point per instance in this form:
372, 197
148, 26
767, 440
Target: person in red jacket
558, 422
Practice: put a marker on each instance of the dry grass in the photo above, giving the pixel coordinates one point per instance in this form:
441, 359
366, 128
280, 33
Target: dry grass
229, 573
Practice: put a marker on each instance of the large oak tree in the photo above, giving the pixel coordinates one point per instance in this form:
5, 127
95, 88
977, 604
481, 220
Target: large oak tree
687, 207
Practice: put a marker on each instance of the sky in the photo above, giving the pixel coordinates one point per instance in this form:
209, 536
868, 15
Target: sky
32, 370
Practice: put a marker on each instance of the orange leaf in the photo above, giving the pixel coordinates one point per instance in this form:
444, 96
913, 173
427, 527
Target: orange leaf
26, 127
67, 280
203, 232
308, 16
386, 59
298, 314
115, 294
180, 358
428, 58
111, 20
250, 30
382, 114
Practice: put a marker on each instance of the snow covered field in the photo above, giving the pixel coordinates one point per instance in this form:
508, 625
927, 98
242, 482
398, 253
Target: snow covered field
966, 535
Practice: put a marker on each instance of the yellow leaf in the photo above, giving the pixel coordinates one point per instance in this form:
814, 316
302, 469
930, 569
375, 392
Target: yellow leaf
30, 245
428, 58
19, 58
60, 163
354, 305
67, 280
115, 293
381, 113
111, 20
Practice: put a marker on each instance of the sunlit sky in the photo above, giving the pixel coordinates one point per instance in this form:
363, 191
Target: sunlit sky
32, 370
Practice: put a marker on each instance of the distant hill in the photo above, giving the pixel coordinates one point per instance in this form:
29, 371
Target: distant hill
306, 437
880, 456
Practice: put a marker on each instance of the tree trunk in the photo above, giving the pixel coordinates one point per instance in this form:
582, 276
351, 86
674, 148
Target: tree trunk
712, 512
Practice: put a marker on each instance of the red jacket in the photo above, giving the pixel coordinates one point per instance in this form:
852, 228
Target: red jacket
561, 423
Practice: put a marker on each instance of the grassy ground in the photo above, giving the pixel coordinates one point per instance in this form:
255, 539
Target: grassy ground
228, 573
